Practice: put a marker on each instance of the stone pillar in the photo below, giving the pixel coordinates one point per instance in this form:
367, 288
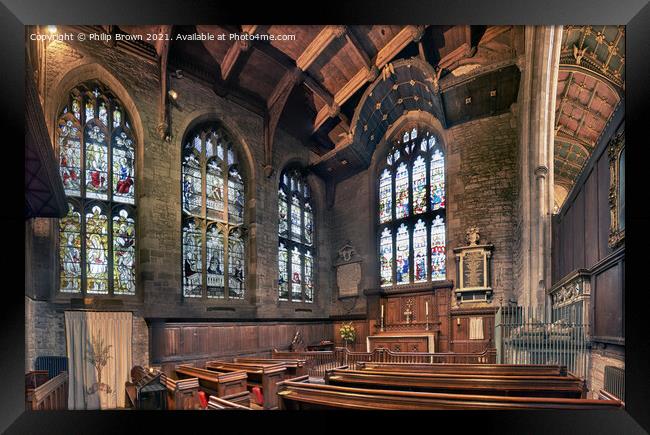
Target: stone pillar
536, 111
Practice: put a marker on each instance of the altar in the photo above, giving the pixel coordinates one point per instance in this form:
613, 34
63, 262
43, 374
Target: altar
402, 342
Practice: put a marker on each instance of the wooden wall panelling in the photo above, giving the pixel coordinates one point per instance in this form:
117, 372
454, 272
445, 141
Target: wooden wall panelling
607, 297
603, 206
591, 219
579, 231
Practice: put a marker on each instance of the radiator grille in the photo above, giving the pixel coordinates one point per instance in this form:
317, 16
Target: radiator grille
53, 364
615, 381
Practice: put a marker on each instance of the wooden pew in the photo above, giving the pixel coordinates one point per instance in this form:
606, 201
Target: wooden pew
182, 394
264, 375
44, 395
230, 385
299, 394
219, 404
470, 369
295, 366
492, 385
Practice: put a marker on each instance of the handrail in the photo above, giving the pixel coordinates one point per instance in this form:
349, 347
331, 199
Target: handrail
318, 362
52, 395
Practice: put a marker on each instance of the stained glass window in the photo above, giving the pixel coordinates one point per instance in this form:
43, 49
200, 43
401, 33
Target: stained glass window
283, 279
296, 238
214, 262
411, 210
96, 148
385, 196
123, 251
419, 186
420, 251
236, 272
437, 180
402, 263
438, 255
401, 191
97, 250
70, 252
386, 257
213, 209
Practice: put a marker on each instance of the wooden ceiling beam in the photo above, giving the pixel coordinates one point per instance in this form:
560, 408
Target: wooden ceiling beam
318, 45
358, 50
368, 73
234, 60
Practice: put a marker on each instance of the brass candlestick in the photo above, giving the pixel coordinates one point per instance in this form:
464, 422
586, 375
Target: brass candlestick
381, 324
427, 325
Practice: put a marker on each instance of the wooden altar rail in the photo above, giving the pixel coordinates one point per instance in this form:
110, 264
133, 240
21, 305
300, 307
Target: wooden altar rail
319, 362
51, 395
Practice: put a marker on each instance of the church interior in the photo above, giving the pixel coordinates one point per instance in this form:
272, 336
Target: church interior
325, 217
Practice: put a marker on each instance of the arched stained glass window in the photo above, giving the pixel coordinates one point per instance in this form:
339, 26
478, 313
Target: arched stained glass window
411, 215
213, 203
296, 235
97, 239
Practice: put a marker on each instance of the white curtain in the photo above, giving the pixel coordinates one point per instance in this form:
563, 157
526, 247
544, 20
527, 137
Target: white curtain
99, 358
476, 328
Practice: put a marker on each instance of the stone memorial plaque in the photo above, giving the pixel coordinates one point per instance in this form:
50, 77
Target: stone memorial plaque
473, 268
348, 277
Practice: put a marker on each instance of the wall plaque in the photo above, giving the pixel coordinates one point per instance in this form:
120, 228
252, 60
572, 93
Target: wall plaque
473, 268
348, 272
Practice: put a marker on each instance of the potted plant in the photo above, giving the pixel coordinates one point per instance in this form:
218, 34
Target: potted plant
348, 333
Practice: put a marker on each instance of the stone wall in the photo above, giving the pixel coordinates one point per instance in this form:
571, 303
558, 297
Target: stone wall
44, 331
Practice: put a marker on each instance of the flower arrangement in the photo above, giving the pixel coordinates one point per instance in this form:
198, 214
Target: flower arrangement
348, 333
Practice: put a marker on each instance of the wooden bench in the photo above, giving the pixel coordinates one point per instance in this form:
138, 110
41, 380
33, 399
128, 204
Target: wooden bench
182, 394
492, 385
263, 375
230, 385
217, 403
44, 394
470, 369
295, 366
299, 394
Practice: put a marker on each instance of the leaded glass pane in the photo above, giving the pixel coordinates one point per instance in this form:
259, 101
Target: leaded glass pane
192, 265
283, 211
283, 279
123, 252
402, 263
414, 133
69, 140
309, 225
437, 180
103, 113
236, 273
385, 196
123, 168
76, 108
96, 162
438, 255
117, 118
90, 110
296, 275
309, 276
214, 186
296, 221
235, 197
96, 250
70, 251
420, 251
191, 180
386, 257
401, 191
419, 186
214, 262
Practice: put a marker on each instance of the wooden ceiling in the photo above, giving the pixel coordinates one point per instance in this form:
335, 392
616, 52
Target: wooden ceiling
312, 85
591, 83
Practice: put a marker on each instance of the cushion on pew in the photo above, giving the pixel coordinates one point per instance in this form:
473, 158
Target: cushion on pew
203, 399
259, 397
